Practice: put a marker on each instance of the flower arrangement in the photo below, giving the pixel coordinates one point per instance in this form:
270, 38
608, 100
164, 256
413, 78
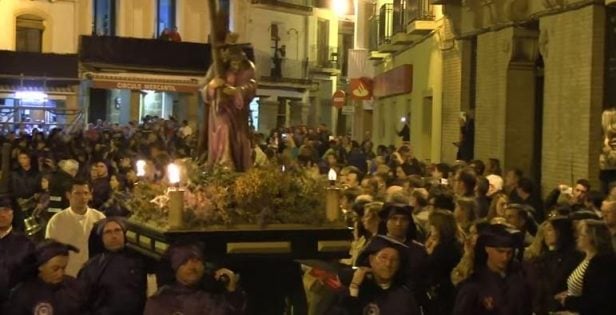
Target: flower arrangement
222, 198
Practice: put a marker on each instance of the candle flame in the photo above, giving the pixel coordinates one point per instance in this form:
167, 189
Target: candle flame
141, 168
331, 175
283, 168
173, 172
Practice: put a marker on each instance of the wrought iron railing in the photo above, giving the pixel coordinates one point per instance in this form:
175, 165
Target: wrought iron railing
291, 69
416, 10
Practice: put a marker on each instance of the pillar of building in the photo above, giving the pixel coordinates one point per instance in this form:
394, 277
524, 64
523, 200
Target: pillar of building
572, 44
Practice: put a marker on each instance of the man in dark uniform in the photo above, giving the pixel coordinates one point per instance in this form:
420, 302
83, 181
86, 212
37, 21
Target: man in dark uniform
49, 290
497, 285
115, 280
15, 250
385, 292
185, 297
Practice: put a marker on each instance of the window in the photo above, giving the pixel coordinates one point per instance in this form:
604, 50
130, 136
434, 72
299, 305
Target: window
166, 15
29, 33
104, 18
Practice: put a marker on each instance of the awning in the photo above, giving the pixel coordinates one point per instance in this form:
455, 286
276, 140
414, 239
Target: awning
143, 81
53, 93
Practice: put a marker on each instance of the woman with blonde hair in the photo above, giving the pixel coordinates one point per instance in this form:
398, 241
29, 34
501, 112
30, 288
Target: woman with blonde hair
497, 206
549, 260
465, 212
465, 267
591, 287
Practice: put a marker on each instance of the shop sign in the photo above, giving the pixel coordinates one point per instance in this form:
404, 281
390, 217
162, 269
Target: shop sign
348, 109
397, 81
361, 89
339, 98
131, 85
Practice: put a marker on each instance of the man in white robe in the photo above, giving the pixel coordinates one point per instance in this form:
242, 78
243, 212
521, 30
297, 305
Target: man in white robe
74, 224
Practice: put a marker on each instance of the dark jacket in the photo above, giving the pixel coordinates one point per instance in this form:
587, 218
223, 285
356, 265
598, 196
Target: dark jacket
60, 183
24, 184
115, 283
35, 297
178, 299
101, 191
372, 299
15, 250
547, 276
441, 262
486, 292
598, 288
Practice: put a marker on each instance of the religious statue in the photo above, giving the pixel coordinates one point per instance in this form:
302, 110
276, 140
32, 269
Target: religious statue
228, 95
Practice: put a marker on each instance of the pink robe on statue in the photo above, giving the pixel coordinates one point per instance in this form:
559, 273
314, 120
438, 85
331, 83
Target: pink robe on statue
228, 130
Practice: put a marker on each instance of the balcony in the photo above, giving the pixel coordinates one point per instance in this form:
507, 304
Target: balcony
146, 54
303, 7
38, 69
294, 73
327, 61
419, 17
396, 25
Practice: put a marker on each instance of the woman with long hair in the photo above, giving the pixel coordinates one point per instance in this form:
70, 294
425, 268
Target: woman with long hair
444, 252
591, 287
465, 212
549, 260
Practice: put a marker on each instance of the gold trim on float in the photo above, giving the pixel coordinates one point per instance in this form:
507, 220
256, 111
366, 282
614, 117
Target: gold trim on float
131, 236
259, 248
160, 247
333, 246
145, 241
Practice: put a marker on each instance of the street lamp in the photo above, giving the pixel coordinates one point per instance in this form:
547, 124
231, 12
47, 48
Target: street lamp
340, 7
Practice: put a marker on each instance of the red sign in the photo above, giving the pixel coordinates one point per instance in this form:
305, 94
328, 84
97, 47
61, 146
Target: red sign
361, 89
339, 98
396, 81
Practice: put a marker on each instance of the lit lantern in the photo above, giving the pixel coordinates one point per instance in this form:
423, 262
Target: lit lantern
173, 173
141, 168
332, 176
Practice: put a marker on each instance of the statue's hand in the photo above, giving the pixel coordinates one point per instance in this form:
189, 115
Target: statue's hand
230, 90
216, 83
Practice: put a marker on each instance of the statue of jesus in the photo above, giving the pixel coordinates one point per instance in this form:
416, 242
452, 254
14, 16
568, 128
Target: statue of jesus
229, 96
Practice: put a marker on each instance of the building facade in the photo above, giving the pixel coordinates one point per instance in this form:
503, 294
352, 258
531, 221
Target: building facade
138, 58
534, 75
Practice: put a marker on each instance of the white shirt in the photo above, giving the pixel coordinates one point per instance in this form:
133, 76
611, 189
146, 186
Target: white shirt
71, 228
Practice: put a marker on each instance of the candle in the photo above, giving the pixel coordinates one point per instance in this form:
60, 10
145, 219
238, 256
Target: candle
332, 204
176, 197
141, 168
176, 208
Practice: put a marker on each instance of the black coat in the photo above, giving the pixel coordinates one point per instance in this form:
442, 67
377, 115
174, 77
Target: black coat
486, 292
598, 288
35, 297
115, 283
441, 262
15, 251
372, 299
178, 299
547, 276
24, 184
60, 183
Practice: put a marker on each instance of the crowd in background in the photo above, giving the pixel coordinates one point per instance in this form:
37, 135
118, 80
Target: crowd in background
429, 238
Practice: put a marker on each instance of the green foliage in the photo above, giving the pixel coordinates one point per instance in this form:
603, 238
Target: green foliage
219, 197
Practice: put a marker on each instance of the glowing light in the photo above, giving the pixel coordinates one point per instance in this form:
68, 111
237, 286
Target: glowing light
283, 168
31, 95
141, 168
173, 172
331, 175
340, 7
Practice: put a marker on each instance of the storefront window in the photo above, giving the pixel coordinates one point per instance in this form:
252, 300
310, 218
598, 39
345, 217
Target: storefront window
159, 104
40, 113
254, 114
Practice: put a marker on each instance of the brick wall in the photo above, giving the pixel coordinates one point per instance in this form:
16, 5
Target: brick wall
490, 111
573, 49
453, 91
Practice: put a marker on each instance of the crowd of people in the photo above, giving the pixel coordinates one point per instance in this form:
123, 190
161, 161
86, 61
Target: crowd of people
463, 238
